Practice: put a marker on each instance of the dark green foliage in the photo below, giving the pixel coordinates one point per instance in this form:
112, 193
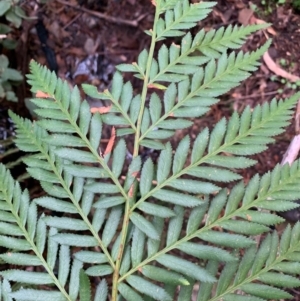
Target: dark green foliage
154, 229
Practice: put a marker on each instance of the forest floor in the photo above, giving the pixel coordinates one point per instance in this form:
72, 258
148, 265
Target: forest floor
86, 38
87, 46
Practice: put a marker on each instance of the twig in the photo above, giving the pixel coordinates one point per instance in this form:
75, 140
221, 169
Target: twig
256, 95
289, 157
292, 151
133, 23
72, 21
297, 119
294, 147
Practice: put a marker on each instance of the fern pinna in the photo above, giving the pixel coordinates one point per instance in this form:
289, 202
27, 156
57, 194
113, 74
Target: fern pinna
143, 229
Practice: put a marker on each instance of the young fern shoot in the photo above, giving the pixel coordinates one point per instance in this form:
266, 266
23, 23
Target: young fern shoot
113, 228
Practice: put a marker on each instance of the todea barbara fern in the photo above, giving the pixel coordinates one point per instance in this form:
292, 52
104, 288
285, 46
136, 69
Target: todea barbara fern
119, 229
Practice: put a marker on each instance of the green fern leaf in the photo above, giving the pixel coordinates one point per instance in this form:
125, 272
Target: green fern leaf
206, 252
146, 177
21, 259
216, 206
107, 202
56, 205
212, 173
175, 225
184, 16
206, 287
137, 246
280, 280
111, 225
126, 262
243, 227
156, 210
181, 155
101, 291
99, 270
153, 228
75, 240
85, 287
177, 198
128, 293
148, 288
226, 239
75, 279
52, 248
164, 276
144, 225
27, 277
196, 217
38, 295
231, 297
186, 291
261, 217
90, 257
186, 268
265, 291
64, 264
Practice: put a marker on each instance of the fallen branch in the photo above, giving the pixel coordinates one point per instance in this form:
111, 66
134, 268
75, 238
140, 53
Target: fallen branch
133, 23
255, 95
294, 147
277, 70
292, 151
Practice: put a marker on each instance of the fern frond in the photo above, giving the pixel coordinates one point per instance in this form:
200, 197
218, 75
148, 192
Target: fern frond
177, 62
166, 4
261, 273
244, 136
30, 235
152, 229
79, 112
183, 16
222, 212
121, 96
48, 169
193, 99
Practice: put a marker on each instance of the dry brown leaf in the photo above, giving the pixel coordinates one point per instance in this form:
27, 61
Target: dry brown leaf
157, 86
131, 189
292, 152
101, 110
40, 94
297, 119
277, 70
130, 192
269, 29
76, 51
223, 16
135, 173
245, 15
111, 142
